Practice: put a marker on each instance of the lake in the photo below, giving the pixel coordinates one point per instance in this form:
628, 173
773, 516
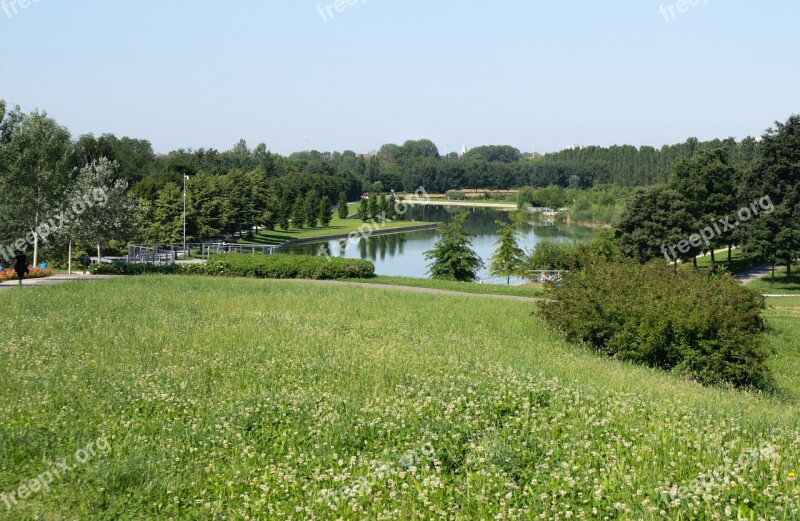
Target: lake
402, 254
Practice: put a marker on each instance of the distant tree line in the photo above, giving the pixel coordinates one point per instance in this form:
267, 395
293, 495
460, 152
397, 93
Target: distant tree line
246, 188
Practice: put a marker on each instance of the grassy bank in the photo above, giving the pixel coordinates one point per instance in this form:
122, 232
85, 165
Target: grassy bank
248, 399
781, 286
337, 227
738, 263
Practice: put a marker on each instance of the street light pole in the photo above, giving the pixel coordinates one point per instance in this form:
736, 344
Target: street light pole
185, 177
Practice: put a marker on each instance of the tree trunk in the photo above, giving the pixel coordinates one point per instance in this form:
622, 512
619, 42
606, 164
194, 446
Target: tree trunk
98, 253
694, 262
713, 259
730, 254
773, 273
789, 270
69, 259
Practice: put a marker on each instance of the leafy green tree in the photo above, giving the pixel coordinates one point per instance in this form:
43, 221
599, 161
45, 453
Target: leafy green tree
374, 206
363, 210
453, 257
656, 223
325, 211
707, 182
299, 213
284, 211
775, 184
386, 207
509, 258
205, 208
105, 208
263, 200
342, 209
168, 215
311, 208
391, 208
145, 222
551, 255
240, 206
36, 173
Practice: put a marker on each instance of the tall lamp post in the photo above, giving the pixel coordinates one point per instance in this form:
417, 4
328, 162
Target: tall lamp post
185, 178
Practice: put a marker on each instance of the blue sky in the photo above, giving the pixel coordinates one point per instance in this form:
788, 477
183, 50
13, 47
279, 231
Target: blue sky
200, 73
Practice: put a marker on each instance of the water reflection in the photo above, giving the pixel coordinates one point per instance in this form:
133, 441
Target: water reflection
401, 254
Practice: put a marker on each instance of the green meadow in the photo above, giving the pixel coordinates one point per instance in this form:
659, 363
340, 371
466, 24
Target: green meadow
250, 399
782, 285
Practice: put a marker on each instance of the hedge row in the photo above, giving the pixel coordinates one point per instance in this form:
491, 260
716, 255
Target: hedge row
707, 327
121, 268
33, 273
279, 266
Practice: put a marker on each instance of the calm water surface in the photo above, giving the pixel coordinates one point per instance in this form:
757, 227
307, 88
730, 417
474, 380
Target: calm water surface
402, 254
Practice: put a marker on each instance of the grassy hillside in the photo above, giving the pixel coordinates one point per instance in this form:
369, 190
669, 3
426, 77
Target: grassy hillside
782, 284
243, 399
533, 290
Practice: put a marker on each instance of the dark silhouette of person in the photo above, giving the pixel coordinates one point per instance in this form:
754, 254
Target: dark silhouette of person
21, 265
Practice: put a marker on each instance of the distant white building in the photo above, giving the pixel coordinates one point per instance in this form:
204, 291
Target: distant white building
463, 150
575, 147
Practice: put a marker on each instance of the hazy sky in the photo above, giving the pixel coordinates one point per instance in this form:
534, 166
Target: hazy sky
200, 73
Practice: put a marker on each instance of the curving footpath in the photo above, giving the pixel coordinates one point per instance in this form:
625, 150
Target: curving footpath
60, 279
55, 279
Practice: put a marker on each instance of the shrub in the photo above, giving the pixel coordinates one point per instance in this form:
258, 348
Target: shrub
33, 273
282, 266
456, 195
551, 255
707, 327
121, 268
279, 266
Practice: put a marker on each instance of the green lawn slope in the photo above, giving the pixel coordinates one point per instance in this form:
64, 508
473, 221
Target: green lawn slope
247, 399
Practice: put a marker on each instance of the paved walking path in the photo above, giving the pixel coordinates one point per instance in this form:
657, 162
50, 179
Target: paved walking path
55, 279
753, 274
60, 279
746, 277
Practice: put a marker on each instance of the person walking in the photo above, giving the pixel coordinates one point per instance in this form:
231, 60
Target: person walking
21, 265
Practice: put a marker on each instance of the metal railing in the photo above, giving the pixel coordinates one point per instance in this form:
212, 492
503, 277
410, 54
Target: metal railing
172, 253
545, 275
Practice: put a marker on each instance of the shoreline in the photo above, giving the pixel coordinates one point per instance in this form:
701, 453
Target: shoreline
499, 206
323, 238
